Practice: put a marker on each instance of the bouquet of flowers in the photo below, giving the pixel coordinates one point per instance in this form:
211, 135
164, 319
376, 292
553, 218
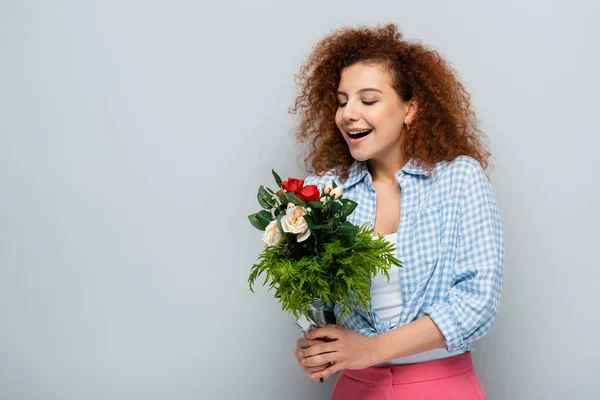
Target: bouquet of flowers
313, 255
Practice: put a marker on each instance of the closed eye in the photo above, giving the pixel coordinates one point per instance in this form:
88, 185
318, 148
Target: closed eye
367, 103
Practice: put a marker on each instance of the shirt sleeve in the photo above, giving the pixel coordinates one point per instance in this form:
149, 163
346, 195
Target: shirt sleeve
470, 308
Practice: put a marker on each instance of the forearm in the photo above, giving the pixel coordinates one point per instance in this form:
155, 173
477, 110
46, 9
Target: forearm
416, 337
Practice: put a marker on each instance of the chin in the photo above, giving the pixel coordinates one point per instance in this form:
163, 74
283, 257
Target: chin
360, 155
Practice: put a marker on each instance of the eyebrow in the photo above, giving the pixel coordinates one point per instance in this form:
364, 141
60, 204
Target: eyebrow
360, 91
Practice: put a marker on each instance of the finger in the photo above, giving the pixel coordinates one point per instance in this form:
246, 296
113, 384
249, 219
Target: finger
327, 372
303, 343
323, 347
312, 343
310, 370
328, 331
320, 359
316, 369
300, 352
301, 348
312, 367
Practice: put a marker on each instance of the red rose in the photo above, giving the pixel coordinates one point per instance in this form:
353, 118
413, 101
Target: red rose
309, 193
293, 185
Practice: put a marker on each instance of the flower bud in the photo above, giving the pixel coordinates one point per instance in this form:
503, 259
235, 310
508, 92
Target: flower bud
336, 193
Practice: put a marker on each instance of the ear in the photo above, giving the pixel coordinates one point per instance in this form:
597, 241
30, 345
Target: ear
411, 111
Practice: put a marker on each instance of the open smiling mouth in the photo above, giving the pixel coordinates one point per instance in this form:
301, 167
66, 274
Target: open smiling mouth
358, 135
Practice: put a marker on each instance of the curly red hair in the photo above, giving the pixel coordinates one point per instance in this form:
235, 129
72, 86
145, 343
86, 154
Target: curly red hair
443, 128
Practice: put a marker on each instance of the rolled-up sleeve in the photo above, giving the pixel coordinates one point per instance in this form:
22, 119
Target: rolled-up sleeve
469, 310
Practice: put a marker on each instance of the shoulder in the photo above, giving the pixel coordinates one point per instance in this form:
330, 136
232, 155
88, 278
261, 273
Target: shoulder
472, 186
463, 166
461, 173
463, 179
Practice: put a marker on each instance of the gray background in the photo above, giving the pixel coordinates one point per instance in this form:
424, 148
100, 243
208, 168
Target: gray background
134, 135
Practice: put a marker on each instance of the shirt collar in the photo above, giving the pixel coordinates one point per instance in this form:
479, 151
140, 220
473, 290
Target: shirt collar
414, 168
358, 170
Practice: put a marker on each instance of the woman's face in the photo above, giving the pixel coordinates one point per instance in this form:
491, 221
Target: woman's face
367, 102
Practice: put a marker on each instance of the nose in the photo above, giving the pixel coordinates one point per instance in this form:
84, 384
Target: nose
350, 112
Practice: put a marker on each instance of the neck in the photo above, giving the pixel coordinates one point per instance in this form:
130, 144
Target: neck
383, 170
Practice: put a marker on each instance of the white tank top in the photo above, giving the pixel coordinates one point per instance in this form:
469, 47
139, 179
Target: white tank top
386, 301
386, 298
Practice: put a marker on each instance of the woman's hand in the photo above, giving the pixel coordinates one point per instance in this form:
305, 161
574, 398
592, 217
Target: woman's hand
302, 344
347, 350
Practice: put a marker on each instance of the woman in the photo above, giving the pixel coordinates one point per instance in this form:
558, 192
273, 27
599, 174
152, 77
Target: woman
389, 121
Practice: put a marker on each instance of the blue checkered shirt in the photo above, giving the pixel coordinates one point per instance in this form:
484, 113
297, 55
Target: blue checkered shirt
450, 241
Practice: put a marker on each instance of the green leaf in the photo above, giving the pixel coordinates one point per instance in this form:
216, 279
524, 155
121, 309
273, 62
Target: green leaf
264, 216
279, 222
277, 178
323, 226
264, 199
317, 205
292, 198
257, 222
347, 207
348, 232
336, 208
309, 221
316, 211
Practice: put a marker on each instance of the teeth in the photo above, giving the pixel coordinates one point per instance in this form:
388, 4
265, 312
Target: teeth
358, 133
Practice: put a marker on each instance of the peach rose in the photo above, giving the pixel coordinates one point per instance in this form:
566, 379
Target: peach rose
272, 235
294, 222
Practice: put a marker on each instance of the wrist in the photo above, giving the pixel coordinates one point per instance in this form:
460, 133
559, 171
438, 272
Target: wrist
376, 350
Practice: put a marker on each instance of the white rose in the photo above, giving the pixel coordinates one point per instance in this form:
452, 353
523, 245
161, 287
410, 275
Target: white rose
272, 235
294, 222
336, 193
303, 236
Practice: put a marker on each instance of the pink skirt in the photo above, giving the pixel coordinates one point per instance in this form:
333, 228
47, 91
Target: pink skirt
451, 378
